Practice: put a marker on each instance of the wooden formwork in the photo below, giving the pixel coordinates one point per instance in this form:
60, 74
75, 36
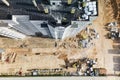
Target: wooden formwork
10, 50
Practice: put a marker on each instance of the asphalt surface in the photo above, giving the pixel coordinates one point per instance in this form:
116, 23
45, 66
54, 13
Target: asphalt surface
61, 78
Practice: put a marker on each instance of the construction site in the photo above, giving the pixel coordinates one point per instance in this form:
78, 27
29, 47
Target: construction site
90, 51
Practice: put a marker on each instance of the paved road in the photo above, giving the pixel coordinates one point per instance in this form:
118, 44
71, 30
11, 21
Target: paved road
62, 78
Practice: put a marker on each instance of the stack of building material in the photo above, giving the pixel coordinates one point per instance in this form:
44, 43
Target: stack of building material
12, 59
92, 7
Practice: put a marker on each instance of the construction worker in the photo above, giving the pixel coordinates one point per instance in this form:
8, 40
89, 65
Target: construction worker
20, 72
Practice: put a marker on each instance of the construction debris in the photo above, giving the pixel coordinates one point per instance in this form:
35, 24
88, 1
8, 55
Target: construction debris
113, 30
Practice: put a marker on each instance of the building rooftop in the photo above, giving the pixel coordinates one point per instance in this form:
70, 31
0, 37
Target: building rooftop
29, 17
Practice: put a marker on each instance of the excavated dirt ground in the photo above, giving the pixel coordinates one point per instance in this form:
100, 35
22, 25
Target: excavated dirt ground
29, 43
